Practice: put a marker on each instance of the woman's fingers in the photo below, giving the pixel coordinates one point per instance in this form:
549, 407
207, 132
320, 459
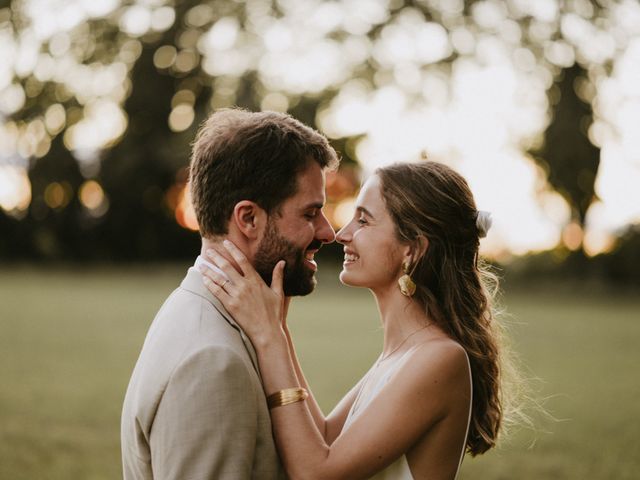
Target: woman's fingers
277, 278
215, 283
254, 305
224, 265
240, 258
216, 277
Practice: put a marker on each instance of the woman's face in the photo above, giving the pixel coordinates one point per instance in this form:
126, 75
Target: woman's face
372, 253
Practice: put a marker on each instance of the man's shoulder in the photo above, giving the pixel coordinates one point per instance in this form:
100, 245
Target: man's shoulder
185, 325
186, 334
187, 314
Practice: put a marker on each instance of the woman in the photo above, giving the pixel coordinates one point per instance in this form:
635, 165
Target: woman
434, 392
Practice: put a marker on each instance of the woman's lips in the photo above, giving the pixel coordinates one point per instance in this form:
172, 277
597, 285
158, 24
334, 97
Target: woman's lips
349, 258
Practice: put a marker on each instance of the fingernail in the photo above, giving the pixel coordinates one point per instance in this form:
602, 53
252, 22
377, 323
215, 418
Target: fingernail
226, 243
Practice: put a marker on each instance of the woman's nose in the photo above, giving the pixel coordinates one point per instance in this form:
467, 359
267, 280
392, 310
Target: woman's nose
343, 235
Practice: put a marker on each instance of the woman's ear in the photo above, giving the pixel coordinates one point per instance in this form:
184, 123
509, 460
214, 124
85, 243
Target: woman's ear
249, 219
417, 250
422, 245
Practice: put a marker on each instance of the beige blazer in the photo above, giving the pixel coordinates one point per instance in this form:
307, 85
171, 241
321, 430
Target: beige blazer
195, 408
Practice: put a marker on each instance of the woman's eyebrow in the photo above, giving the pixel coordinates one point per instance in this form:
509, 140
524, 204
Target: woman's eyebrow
365, 211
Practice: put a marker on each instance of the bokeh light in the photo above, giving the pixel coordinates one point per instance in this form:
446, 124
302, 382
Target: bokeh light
93, 198
181, 117
57, 195
15, 189
469, 88
184, 213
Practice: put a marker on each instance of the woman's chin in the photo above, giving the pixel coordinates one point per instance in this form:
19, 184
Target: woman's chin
348, 279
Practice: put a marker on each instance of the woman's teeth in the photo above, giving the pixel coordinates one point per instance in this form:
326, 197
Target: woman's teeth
350, 257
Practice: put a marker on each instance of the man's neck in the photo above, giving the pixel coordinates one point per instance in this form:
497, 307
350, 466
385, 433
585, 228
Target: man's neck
216, 245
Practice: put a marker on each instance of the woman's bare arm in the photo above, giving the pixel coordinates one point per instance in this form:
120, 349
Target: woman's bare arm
407, 407
330, 426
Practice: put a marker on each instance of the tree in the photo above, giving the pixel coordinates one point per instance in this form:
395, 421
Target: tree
169, 86
568, 156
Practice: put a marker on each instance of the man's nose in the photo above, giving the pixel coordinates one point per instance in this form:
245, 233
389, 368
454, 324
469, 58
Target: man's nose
325, 232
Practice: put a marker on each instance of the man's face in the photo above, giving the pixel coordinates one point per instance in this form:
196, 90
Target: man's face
296, 233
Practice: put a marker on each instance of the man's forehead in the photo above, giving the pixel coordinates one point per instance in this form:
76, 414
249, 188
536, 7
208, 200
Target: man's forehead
305, 198
310, 187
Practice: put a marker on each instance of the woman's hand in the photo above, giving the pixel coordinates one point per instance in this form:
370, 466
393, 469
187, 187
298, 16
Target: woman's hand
256, 307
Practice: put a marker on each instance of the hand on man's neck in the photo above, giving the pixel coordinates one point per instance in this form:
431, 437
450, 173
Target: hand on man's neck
216, 244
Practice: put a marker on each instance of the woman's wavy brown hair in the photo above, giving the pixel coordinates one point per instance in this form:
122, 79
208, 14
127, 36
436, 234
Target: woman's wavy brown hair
431, 200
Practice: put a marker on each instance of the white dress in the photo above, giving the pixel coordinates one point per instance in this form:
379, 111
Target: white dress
375, 379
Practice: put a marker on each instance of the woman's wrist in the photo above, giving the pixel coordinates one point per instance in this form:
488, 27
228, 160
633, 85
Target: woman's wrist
269, 339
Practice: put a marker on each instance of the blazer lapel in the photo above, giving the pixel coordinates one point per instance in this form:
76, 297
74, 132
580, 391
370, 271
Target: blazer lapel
193, 283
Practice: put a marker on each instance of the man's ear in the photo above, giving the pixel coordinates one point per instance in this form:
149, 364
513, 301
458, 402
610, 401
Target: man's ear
249, 218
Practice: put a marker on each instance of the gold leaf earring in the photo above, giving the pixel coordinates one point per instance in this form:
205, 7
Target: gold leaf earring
406, 283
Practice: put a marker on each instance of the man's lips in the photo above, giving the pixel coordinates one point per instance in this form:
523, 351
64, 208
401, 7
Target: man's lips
308, 257
315, 245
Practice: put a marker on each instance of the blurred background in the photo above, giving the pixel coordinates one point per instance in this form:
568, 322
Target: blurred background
536, 103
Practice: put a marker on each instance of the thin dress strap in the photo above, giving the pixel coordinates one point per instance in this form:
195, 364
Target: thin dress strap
466, 435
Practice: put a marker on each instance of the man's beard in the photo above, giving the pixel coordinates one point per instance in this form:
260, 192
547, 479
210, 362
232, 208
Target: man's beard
298, 279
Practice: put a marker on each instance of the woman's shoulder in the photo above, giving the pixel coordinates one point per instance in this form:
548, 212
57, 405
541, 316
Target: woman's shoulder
434, 379
442, 347
437, 362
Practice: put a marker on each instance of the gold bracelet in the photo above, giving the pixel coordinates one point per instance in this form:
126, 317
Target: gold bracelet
286, 396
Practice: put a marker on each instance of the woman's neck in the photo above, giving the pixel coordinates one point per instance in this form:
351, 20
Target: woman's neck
400, 316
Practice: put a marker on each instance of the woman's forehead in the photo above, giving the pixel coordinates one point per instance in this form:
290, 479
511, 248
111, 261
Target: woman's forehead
370, 189
370, 195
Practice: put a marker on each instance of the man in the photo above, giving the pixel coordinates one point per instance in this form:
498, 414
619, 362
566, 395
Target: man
195, 407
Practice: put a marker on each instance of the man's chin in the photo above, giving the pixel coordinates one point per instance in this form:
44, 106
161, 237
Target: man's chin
300, 288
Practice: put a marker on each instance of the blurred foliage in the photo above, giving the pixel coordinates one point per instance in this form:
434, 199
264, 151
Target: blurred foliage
572, 270
168, 90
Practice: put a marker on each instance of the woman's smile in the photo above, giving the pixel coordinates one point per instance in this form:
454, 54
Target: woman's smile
349, 257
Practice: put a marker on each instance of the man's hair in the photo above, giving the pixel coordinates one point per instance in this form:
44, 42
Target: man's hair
240, 155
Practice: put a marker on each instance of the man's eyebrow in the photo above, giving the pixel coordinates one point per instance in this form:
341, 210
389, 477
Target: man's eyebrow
365, 211
316, 205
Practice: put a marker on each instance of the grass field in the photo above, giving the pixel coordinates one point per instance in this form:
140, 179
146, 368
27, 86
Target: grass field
69, 340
